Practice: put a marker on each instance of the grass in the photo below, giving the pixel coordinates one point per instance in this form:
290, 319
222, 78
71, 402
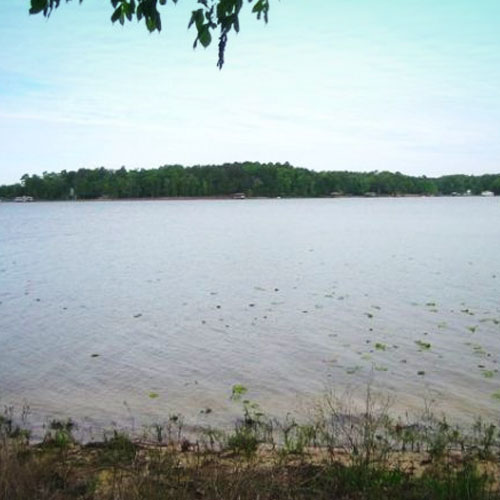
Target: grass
346, 451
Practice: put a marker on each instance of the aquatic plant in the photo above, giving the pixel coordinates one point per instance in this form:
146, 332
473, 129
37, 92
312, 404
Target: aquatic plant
238, 391
424, 346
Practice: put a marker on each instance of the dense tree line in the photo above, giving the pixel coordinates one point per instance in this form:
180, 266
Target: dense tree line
250, 178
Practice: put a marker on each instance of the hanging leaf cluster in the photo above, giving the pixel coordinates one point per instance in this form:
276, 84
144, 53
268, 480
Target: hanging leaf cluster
211, 17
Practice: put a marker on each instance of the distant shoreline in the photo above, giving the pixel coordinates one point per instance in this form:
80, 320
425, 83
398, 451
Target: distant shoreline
231, 198
241, 180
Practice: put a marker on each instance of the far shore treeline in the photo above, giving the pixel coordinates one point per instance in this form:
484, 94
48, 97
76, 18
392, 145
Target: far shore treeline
249, 178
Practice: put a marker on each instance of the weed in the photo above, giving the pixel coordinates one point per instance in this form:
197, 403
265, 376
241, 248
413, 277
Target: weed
117, 450
238, 391
59, 434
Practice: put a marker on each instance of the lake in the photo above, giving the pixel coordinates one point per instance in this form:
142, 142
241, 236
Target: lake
129, 311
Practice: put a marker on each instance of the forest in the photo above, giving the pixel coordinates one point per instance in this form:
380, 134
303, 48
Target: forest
253, 179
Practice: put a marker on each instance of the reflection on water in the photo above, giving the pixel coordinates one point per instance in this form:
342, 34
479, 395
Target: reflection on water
104, 303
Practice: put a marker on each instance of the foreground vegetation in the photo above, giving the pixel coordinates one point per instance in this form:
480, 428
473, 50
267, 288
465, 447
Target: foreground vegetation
342, 453
250, 178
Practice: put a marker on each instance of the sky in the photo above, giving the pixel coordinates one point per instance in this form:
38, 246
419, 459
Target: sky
400, 85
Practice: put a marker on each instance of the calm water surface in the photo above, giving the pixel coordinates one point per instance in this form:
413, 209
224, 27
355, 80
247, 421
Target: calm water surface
288, 297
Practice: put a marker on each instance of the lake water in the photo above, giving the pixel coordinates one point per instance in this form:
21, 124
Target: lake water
183, 299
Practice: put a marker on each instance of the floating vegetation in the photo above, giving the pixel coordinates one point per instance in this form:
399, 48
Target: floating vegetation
153, 395
351, 370
443, 324
331, 361
488, 373
430, 304
381, 368
472, 329
424, 346
366, 356
237, 391
467, 311
380, 346
496, 395
478, 349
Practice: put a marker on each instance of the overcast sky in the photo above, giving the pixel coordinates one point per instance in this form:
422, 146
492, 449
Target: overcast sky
400, 85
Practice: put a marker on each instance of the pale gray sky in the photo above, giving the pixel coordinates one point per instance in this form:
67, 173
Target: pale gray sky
358, 85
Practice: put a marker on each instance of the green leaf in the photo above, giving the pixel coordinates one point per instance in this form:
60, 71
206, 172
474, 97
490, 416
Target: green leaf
205, 37
38, 6
139, 12
116, 14
151, 25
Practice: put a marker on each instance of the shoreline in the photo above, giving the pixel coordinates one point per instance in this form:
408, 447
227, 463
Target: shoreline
352, 455
247, 198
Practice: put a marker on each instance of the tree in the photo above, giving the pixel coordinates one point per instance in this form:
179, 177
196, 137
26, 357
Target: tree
495, 186
212, 15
